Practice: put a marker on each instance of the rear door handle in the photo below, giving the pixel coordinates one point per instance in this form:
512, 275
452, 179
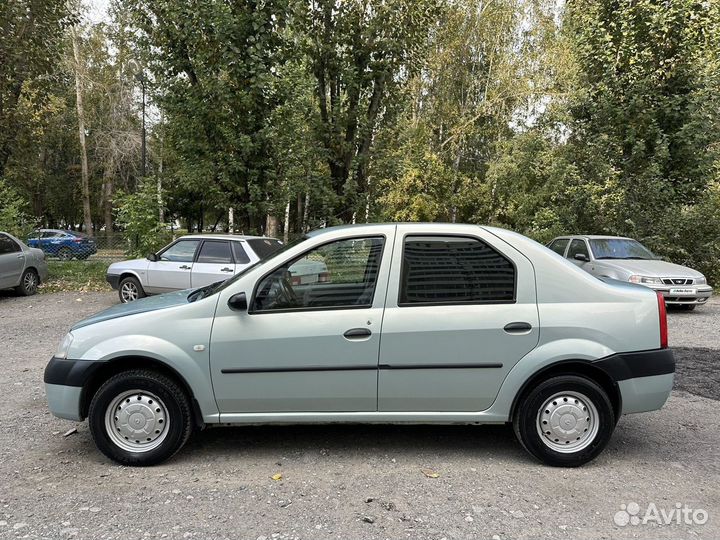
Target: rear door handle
357, 333
184, 267
517, 327
226, 269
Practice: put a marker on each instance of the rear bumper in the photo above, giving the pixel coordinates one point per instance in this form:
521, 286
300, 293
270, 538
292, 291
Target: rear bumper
644, 378
113, 280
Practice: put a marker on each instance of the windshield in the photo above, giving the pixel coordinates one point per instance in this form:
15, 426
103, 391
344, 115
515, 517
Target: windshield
208, 290
620, 248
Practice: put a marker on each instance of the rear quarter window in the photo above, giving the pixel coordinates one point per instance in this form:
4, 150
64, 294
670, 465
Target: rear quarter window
264, 247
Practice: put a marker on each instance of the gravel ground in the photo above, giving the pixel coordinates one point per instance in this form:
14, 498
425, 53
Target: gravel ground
346, 481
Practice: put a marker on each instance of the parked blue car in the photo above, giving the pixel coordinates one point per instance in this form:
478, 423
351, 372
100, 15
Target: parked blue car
64, 244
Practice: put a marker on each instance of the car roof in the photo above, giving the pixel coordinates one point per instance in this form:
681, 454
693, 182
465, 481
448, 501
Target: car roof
226, 237
591, 237
67, 231
350, 226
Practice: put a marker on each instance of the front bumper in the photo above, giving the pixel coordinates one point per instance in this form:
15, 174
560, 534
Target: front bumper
644, 378
113, 280
64, 381
701, 295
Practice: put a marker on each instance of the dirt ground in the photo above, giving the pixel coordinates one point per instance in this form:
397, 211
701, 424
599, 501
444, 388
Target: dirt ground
348, 482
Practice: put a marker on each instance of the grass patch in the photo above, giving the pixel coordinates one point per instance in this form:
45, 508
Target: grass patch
77, 276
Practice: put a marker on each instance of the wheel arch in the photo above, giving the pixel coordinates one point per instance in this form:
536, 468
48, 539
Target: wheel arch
129, 363
572, 367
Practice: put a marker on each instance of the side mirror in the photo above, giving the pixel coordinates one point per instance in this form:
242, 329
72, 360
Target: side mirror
152, 257
581, 257
238, 302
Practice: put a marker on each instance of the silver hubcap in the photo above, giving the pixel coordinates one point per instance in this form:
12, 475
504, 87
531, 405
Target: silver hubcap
30, 282
129, 291
137, 421
567, 422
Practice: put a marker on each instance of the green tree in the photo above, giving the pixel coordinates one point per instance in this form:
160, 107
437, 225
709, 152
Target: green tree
31, 34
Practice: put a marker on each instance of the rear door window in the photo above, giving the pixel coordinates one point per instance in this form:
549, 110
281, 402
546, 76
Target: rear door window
8, 245
454, 270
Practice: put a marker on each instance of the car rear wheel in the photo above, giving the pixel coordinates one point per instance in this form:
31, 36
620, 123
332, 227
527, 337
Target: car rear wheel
64, 254
140, 418
28, 283
130, 290
565, 421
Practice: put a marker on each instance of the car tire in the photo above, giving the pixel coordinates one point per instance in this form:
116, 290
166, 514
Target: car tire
64, 254
140, 418
28, 283
564, 421
130, 290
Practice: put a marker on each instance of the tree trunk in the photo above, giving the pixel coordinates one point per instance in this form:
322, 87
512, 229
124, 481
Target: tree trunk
87, 216
303, 224
107, 196
286, 225
231, 220
271, 226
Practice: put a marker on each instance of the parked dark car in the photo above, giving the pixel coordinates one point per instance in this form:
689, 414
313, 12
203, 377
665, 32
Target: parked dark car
64, 244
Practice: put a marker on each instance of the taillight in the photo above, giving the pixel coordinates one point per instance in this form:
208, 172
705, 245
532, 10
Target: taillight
296, 280
324, 277
78, 240
663, 321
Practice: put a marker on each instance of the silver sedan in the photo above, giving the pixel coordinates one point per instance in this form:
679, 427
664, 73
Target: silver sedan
626, 259
21, 267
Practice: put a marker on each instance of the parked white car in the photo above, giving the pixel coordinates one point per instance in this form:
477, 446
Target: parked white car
189, 262
626, 259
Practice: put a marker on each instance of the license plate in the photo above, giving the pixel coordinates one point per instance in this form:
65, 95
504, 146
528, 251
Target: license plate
683, 291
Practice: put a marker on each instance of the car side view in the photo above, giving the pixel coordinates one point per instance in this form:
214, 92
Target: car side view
411, 323
64, 245
21, 267
189, 262
626, 259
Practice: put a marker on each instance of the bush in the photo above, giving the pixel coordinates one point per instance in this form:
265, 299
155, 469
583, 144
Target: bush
138, 214
13, 216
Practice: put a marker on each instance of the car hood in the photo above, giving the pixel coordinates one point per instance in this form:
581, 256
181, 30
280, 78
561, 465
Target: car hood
143, 305
651, 268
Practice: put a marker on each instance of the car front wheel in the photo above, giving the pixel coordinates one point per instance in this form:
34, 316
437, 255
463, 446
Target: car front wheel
565, 421
140, 418
130, 290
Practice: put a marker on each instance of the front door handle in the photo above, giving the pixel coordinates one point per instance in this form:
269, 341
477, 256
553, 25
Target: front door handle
517, 327
185, 267
226, 269
357, 333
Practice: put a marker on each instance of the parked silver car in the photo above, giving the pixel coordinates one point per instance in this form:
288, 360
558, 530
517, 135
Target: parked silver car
190, 261
625, 259
21, 267
413, 323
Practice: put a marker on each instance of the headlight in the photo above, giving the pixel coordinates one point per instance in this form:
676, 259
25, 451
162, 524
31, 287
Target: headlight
62, 350
645, 280
702, 280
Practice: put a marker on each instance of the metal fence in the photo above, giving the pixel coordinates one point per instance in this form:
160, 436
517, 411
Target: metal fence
72, 247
